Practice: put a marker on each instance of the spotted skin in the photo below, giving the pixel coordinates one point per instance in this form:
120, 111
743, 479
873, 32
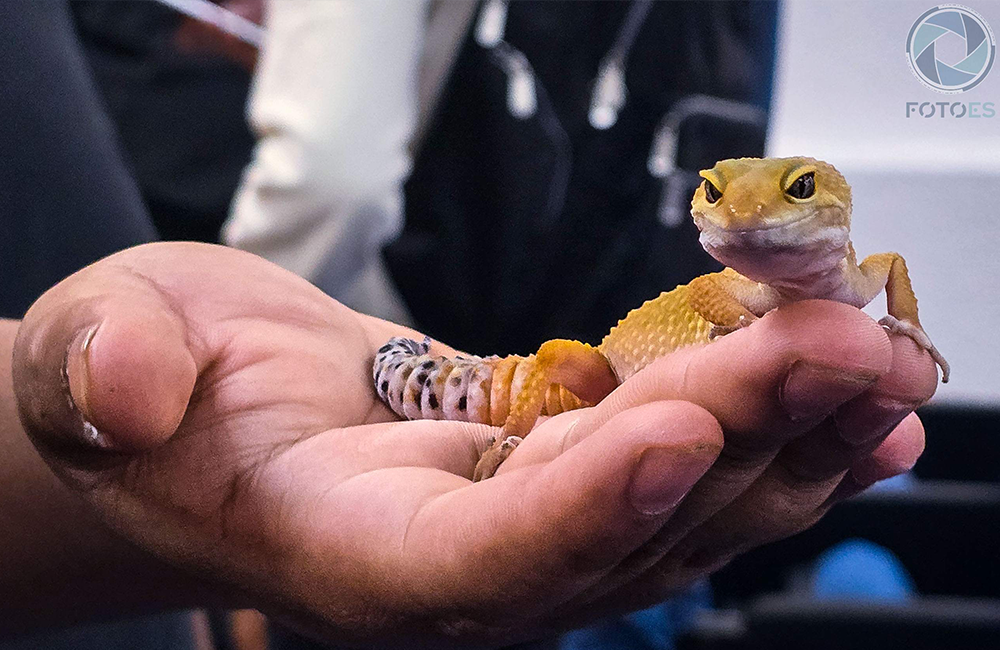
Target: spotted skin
417, 385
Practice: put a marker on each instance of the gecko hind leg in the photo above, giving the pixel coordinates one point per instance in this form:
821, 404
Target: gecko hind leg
907, 328
491, 459
580, 368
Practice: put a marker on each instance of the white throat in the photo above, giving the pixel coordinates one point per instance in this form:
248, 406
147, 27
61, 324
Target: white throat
807, 266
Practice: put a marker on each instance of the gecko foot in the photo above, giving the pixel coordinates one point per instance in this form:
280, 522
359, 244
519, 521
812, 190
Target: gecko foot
493, 457
919, 336
722, 330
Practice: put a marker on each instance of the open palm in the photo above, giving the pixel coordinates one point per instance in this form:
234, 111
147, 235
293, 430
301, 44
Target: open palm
222, 417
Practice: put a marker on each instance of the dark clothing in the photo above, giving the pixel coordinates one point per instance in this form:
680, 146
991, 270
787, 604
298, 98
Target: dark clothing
66, 198
518, 231
180, 114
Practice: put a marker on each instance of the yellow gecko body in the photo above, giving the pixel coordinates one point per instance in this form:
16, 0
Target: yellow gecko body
782, 228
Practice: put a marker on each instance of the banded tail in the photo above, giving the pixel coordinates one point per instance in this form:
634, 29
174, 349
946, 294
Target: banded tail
417, 385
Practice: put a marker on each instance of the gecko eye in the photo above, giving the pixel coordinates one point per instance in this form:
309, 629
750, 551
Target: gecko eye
712, 193
803, 187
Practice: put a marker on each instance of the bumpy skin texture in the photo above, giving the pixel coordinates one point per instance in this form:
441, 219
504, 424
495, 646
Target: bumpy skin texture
655, 329
780, 225
417, 385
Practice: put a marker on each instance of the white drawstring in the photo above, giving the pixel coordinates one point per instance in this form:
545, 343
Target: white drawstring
522, 99
662, 161
608, 97
492, 23
609, 92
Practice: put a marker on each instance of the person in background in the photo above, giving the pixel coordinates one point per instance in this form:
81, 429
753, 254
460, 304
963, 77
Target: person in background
530, 130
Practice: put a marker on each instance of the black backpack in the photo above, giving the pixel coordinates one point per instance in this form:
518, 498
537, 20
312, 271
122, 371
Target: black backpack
524, 222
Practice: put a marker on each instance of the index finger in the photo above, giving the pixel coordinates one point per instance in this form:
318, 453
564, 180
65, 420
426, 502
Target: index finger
766, 384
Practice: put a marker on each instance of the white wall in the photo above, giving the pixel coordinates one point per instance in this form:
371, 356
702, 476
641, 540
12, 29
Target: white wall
927, 188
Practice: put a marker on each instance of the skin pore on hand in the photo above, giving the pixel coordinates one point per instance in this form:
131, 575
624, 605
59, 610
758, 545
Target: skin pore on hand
240, 439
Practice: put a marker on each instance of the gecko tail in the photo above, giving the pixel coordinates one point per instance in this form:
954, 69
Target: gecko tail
416, 385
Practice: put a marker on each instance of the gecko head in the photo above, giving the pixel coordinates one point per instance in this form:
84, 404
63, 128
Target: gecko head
773, 217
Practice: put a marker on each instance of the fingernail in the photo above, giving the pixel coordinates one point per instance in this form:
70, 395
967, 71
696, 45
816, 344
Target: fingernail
871, 419
813, 391
664, 475
76, 373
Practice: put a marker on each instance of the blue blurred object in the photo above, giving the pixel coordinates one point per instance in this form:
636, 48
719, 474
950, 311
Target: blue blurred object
861, 570
900, 483
650, 629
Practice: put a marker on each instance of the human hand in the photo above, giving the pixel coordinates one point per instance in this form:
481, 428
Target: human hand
237, 436
816, 404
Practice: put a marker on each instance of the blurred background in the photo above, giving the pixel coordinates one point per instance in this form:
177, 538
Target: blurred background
498, 174
921, 185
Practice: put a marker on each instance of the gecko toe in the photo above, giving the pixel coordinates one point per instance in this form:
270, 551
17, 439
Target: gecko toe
896, 326
494, 457
511, 443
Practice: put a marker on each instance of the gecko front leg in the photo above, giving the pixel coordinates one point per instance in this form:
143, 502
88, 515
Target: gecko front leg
889, 270
729, 301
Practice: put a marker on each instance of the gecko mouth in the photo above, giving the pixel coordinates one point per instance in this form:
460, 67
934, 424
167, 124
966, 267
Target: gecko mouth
703, 221
799, 233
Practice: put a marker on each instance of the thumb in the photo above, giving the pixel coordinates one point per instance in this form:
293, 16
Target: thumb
101, 364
